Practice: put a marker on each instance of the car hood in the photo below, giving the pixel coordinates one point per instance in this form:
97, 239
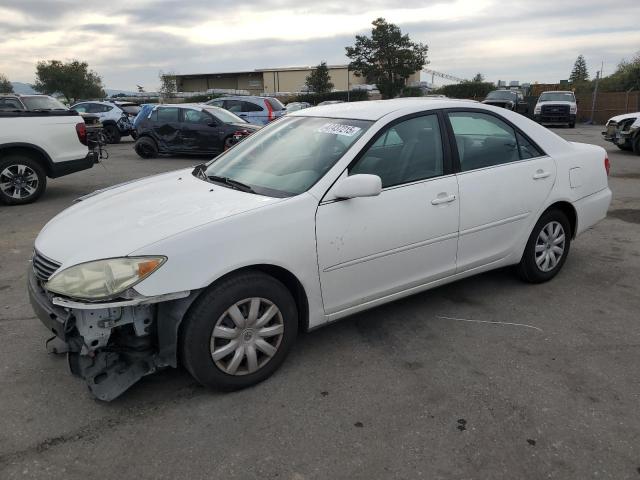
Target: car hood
121, 220
497, 100
551, 102
619, 118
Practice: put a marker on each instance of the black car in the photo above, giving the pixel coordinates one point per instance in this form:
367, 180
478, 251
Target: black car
189, 129
509, 99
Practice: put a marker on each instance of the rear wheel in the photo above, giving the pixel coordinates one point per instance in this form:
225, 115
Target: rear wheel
22, 179
239, 331
112, 133
572, 125
547, 248
146, 147
624, 147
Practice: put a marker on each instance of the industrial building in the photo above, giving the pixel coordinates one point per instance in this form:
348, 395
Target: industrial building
269, 80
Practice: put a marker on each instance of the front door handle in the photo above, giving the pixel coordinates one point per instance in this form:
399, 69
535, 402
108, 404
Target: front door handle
443, 198
541, 174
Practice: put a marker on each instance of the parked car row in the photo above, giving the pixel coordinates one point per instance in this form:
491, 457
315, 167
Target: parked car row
116, 117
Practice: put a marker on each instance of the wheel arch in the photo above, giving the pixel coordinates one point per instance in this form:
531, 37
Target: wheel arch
569, 210
32, 151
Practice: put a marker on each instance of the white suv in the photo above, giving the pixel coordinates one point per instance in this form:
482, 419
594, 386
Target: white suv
116, 117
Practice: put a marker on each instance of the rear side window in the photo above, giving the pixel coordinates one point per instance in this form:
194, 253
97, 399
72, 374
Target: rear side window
527, 149
234, 106
276, 104
483, 140
84, 108
168, 114
10, 104
251, 107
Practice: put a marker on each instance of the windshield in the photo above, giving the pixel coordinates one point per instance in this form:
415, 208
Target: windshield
288, 156
557, 97
292, 107
501, 95
225, 116
43, 102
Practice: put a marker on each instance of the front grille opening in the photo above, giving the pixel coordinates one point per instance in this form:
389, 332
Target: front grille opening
43, 267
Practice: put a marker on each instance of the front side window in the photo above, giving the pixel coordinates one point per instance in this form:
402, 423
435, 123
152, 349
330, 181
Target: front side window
287, 157
483, 140
406, 152
197, 117
10, 104
234, 106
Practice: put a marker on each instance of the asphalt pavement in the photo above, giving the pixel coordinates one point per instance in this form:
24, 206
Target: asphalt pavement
486, 378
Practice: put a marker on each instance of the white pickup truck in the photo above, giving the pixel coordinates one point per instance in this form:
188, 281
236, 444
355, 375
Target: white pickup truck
35, 145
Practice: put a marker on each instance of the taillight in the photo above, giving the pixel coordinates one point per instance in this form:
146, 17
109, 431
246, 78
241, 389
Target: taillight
81, 130
269, 109
607, 164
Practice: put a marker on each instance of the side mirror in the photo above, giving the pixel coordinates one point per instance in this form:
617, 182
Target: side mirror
361, 185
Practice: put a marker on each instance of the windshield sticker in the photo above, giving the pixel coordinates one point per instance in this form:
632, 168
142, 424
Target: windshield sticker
339, 129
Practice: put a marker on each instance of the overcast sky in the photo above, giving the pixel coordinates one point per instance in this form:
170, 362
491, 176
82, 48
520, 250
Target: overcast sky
127, 42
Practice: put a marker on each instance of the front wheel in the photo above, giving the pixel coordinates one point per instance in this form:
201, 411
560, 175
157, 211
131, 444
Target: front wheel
146, 147
239, 331
547, 248
22, 180
572, 125
636, 145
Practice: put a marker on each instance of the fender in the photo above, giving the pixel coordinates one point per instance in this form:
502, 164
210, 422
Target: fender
49, 167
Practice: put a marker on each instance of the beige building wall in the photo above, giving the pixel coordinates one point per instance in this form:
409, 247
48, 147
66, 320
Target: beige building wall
270, 81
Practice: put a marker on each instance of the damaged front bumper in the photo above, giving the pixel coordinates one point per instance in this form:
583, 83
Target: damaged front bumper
114, 344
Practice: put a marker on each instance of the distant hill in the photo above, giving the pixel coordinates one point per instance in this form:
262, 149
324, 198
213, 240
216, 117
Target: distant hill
23, 88
26, 89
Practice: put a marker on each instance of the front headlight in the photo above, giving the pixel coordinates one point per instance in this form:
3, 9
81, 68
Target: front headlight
103, 279
573, 109
537, 110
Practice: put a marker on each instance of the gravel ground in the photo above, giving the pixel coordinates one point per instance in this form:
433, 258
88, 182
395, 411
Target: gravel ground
396, 392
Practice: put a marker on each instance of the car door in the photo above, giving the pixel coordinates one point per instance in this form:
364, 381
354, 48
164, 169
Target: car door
200, 132
373, 247
167, 128
504, 180
253, 113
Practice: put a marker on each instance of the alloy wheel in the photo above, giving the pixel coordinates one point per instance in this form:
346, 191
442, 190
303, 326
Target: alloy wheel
18, 181
246, 336
550, 246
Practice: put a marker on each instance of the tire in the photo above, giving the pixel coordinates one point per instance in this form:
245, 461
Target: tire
134, 134
229, 142
636, 145
30, 184
112, 133
624, 147
572, 125
146, 147
532, 267
222, 362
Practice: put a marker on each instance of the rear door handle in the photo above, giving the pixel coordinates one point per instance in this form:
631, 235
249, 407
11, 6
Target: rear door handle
541, 174
443, 198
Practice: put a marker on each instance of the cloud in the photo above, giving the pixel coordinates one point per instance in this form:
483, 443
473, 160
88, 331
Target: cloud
129, 42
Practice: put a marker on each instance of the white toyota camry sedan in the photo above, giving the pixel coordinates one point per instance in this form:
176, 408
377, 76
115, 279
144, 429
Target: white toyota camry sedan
326, 212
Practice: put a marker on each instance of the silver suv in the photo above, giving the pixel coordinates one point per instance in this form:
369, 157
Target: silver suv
256, 110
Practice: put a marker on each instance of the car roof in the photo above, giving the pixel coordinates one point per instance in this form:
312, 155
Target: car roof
376, 109
557, 91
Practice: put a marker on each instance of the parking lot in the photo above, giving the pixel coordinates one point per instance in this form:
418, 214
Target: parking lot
486, 378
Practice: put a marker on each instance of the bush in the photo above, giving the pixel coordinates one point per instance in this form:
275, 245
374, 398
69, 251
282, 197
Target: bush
470, 90
200, 98
412, 92
316, 98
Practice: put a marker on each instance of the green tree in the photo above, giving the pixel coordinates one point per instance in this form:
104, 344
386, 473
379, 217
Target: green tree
319, 80
479, 78
5, 84
168, 84
579, 73
73, 80
387, 58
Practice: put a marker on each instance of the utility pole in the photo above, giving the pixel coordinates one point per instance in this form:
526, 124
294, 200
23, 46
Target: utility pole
595, 93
